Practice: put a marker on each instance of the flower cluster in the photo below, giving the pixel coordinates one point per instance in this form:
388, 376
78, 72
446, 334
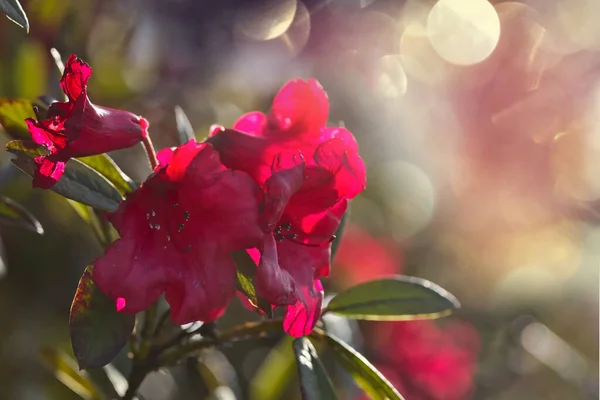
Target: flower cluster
275, 185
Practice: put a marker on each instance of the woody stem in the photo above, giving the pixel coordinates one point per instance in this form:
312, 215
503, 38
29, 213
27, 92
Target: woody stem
147, 142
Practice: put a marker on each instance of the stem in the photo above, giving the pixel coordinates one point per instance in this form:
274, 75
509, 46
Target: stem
234, 334
150, 358
150, 152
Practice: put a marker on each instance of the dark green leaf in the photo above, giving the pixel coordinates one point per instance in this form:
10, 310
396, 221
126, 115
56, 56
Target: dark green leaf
246, 269
184, 127
98, 331
65, 371
363, 372
13, 113
13, 213
79, 182
314, 381
106, 167
275, 373
15, 13
394, 299
338, 234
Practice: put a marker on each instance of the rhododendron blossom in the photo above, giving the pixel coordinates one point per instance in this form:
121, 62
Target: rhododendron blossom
308, 172
426, 361
177, 233
79, 128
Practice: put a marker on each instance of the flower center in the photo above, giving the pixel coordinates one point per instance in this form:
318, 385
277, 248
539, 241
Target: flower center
284, 231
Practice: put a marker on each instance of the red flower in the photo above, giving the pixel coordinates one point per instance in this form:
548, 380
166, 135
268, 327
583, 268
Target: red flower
308, 173
78, 128
429, 362
177, 232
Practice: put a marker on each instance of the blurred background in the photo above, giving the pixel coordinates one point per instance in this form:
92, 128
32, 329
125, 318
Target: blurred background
479, 123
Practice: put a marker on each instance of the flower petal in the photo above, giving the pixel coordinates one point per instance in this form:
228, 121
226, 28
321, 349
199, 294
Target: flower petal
253, 123
203, 288
48, 173
75, 77
301, 317
272, 283
299, 107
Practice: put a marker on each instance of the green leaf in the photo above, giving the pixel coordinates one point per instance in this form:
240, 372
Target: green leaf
398, 298
314, 381
15, 13
98, 331
79, 182
13, 113
363, 372
246, 269
107, 167
275, 373
184, 127
65, 371
13, 213
338, 234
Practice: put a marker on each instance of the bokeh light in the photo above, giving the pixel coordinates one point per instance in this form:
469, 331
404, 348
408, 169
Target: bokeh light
463, 32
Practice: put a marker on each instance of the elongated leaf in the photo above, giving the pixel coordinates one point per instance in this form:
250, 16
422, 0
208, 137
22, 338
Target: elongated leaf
394, 299
13, 213
65, 371
15, 13
314, 381
98, 331
338, 234
363, 372
275, 373
184, 127
79, 182
13, 113
107, 167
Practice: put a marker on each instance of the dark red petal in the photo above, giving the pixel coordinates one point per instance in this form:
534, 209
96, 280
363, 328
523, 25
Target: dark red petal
300, 107
203, 288
95, 130
272, 283
253, 123
280, 187
251, 154
75, 77
48, 173
133, 269
301, 318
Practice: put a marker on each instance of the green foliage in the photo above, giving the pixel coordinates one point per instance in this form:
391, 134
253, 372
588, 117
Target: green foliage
314, 381
13, 113
98, 331
106, 167
65, 371
79, 182
184, 127
275, 373
13, 213
363, 372
15, 13
338, 234
394, 299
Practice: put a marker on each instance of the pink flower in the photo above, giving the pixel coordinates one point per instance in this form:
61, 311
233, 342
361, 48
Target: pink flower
429, 362
308, 173
177, 233
79, 128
